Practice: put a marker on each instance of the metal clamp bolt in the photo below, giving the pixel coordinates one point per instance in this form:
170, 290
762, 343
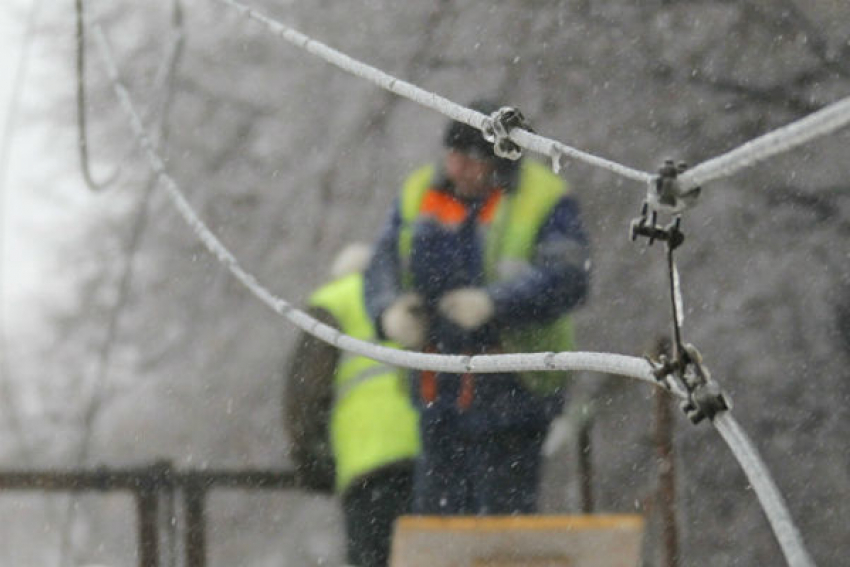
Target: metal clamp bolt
497, 130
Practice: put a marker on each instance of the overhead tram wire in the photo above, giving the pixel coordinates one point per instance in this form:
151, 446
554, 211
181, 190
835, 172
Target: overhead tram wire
614, 364
551, 148
768, 494
825, 121
820, 123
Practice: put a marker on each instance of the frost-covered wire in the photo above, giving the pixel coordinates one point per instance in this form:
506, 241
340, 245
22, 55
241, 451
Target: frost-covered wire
768, 494
553, 149
820, 123
556, 151
621, 365
825, 121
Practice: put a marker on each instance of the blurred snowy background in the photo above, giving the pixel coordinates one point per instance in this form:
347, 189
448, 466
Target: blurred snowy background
123, 341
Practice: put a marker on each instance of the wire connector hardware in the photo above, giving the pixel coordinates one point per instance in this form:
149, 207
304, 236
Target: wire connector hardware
665, 193
704, 396
642, 226
683, 371
497, 130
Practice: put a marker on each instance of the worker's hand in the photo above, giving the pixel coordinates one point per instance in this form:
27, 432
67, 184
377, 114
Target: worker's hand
405, 321
467, 307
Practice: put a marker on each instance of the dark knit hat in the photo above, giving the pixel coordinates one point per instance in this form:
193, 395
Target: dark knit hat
465, 138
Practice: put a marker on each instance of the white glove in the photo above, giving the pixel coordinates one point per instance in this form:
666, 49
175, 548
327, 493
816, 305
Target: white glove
405, 321
468, 307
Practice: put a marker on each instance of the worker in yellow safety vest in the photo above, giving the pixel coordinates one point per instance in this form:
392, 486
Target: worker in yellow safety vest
480, 255
350, 419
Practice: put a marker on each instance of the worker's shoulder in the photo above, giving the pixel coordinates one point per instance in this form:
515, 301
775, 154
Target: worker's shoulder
539, 179
338, 291
414, 188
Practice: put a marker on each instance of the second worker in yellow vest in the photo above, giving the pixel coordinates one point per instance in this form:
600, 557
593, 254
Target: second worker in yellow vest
352, 415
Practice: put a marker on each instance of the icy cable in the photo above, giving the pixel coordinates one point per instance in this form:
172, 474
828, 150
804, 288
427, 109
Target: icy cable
555, 150
620, 365
825, 121
769, 496
820, 123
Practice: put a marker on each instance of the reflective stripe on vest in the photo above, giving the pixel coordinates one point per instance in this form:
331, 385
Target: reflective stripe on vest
349, 379
373, 423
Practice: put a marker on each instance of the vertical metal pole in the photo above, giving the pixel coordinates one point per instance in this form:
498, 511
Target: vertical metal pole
585, 465
146, 508
196, 553
168, 523
663, 435
162, 481
666, 477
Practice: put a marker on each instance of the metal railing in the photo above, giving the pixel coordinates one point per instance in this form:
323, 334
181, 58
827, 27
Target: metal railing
147, 483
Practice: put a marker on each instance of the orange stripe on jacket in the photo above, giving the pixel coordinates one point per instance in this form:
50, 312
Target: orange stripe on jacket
451, 211
488, 211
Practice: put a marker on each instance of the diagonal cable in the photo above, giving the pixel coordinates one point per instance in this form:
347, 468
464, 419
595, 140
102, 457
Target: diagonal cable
768, 494
825, 121
820, 123
551, 148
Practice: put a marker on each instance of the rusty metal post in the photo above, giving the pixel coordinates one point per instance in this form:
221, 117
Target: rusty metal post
666, 468
194, 497
146, 508
666, 477
585, 465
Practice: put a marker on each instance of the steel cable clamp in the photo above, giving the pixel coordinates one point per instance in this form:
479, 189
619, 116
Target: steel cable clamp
497, 129
704, 399
665, 192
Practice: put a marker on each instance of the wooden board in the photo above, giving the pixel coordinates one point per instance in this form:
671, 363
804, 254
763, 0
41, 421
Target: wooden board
517, 541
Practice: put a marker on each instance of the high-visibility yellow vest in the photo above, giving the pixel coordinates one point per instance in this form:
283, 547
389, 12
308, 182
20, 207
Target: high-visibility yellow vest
373, 423
510, 239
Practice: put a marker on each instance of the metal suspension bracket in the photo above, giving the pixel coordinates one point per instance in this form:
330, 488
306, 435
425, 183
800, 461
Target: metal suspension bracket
684, 369
665, 191
647, 226
498, 128
704, 396
664, 194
